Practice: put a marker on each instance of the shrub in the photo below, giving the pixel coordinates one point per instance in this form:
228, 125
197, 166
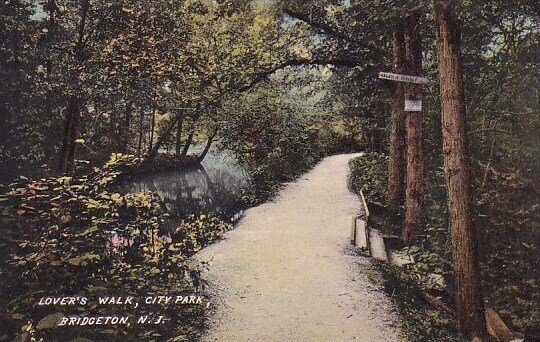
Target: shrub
82, 238
507, 234
369, 174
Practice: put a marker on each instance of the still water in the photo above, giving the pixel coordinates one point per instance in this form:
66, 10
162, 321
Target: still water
215, 188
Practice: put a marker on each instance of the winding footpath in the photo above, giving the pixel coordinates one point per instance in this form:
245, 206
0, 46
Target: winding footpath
287, 272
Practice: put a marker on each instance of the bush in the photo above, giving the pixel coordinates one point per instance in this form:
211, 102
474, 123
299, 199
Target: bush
82, 238
271, 139
423, 322
507, 237
369, 174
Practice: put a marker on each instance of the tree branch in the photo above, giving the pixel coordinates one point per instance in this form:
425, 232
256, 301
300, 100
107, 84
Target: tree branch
331, 31
324, 27
345, 62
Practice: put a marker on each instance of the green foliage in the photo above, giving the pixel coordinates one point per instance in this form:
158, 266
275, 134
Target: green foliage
507, 231
135, 67
423, 323
508, 211
368, 173
82, 238
271, 138
197, 231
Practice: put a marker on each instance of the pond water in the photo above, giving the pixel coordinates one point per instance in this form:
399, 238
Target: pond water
214, 188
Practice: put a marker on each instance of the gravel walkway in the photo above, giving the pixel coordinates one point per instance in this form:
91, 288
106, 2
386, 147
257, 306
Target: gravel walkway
286, 273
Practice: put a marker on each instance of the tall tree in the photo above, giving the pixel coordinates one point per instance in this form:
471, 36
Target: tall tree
469, 298
75, 101
396, 167
414, 194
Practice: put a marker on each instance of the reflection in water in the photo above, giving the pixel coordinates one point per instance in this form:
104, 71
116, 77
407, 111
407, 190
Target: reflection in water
215, 187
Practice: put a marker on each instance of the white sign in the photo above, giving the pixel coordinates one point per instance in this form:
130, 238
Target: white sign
403, 78
413, 105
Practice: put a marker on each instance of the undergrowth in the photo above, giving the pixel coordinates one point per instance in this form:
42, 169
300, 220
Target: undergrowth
506, 209
75, 236
423, 322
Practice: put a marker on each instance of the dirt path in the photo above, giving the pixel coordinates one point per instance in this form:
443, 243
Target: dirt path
286, 272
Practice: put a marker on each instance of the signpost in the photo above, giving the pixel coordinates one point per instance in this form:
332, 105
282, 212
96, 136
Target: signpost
411, 105
403, 78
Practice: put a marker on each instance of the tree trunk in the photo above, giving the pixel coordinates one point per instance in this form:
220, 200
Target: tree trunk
414, 193
67, 153
152, 129
126, 130
73, 109
207, 147
155, 149
380, 119
52, 9
141, 133
187, 145
179, 135
469, 299
396, 167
